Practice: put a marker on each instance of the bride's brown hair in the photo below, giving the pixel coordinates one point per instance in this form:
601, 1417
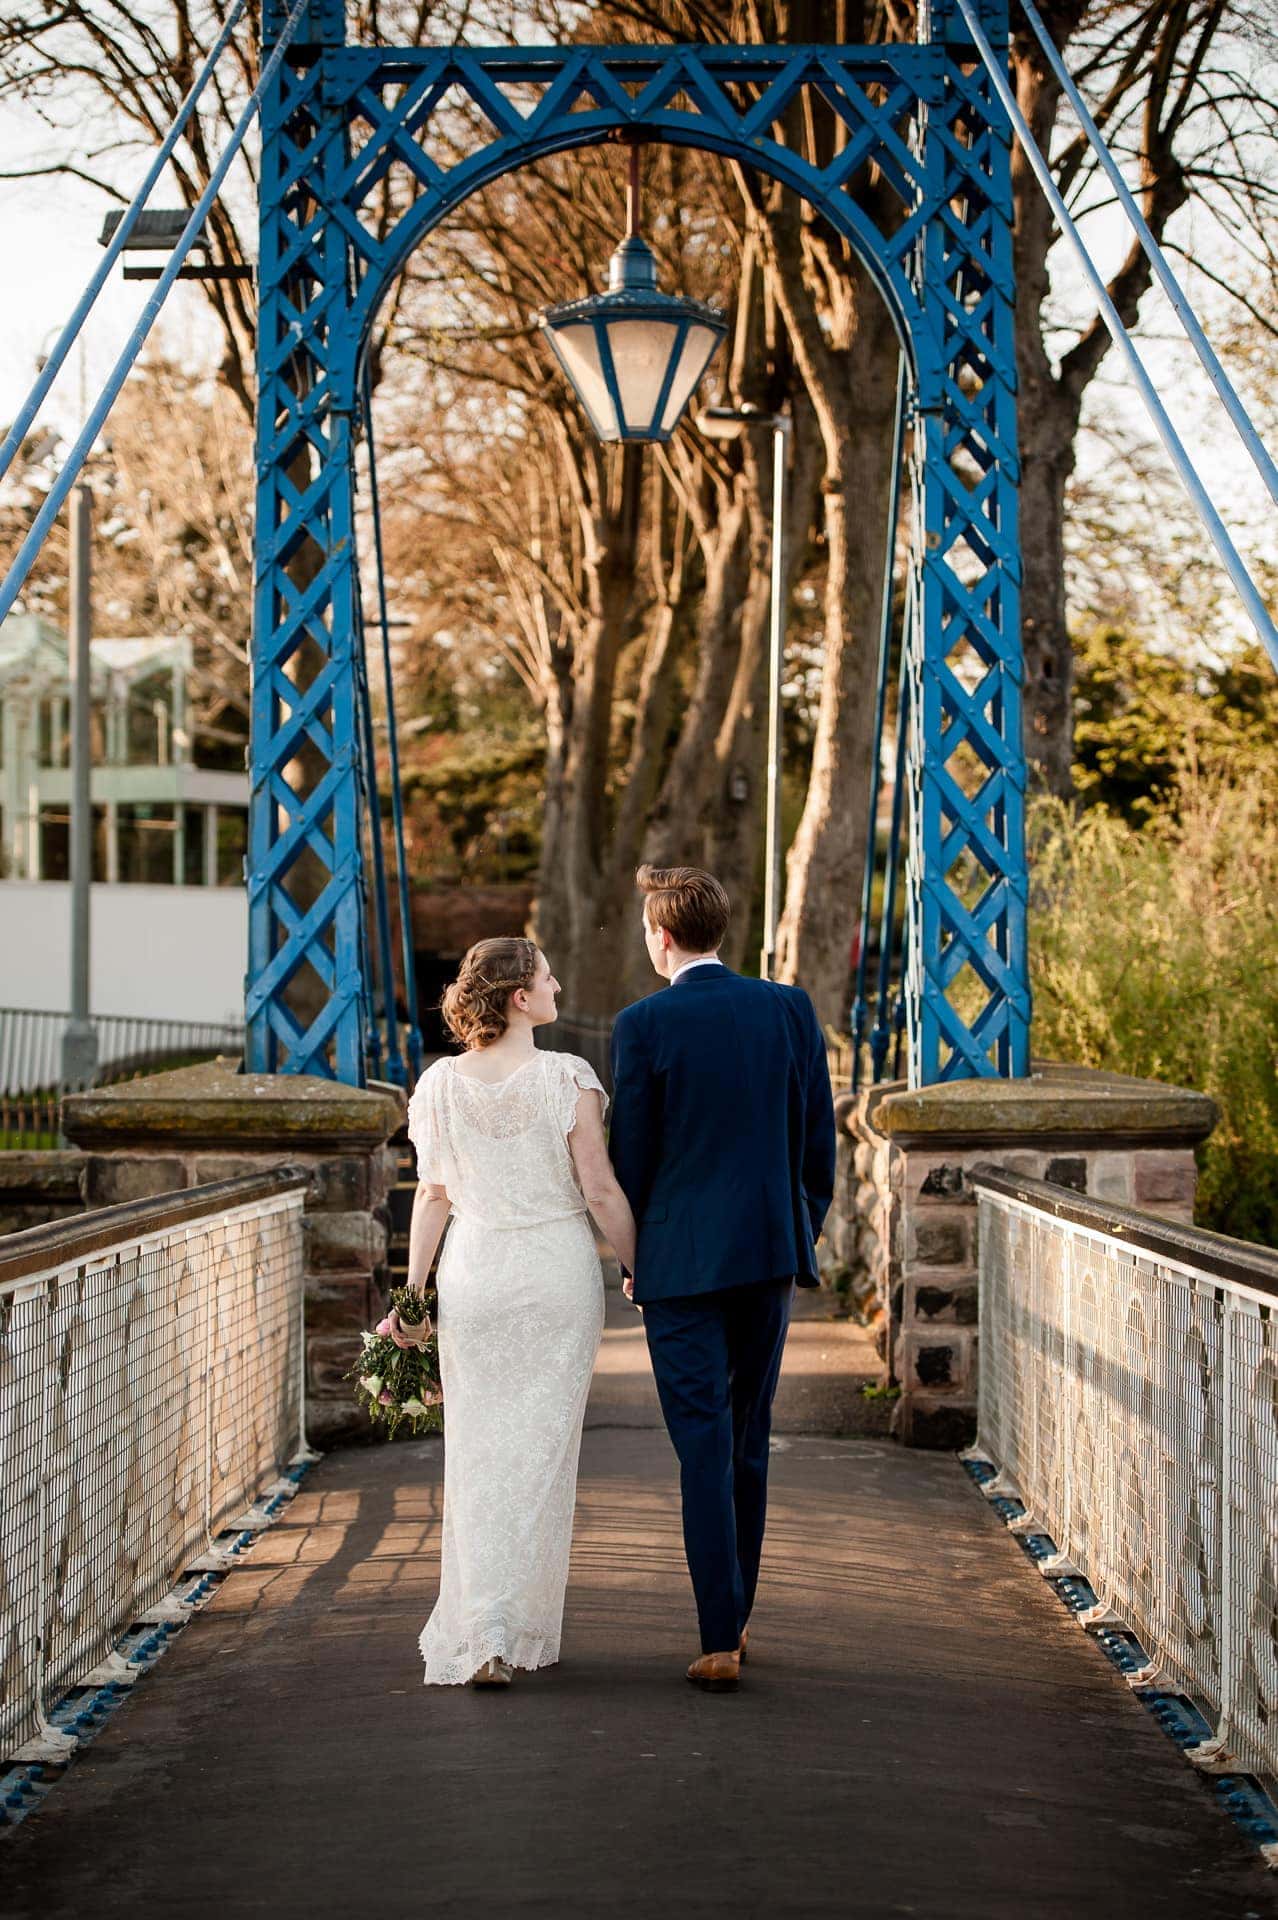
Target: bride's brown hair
476, 1007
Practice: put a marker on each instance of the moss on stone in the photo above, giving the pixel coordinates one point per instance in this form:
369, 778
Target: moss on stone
213, 1105
1055, 1102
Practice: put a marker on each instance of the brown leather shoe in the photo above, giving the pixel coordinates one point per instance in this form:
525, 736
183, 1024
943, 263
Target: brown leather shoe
741, 1650
716, 1672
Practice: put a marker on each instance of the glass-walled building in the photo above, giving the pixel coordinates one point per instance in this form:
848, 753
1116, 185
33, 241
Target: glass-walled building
168, 905
162, 814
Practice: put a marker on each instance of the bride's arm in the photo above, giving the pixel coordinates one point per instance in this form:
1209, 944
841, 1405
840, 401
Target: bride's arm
431, 1207
598, 1183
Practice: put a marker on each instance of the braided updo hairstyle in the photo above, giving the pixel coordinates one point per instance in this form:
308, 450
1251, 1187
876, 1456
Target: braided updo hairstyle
476, 1007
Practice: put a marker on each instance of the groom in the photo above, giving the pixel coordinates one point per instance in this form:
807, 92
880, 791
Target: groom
723, 1140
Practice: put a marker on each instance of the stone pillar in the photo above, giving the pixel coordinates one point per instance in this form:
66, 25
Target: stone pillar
39, 1185
196, 1124
904, 1223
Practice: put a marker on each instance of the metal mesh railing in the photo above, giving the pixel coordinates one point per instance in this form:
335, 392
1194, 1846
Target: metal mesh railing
31, 1082
590, 1035
150, 1381
1129, 1396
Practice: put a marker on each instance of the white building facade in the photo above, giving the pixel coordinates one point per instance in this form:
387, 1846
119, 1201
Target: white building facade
169, 911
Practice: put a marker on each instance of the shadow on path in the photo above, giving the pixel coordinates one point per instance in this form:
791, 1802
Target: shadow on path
922, 1729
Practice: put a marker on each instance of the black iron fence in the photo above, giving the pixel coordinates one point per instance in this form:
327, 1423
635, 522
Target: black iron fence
31, 1080
590, 1035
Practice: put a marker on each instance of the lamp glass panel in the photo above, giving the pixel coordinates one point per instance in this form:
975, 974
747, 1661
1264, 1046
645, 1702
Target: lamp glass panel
641, 351
698, 350
578, 352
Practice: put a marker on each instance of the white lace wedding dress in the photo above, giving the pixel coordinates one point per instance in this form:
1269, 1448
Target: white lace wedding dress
520, 1321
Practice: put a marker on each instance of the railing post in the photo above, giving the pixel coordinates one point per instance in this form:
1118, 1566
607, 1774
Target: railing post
49, 1743
209, 1323
1229, 1609
305, 1451
1071, 1392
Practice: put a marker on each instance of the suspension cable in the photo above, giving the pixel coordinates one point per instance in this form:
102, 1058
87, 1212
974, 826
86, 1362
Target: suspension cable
881, 1032
1198, 494
880, 709
374, 975
88, 299
1157, 258
394, 1059
413, 1035
66, 479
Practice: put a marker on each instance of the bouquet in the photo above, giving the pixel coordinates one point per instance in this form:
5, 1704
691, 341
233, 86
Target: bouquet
399, 1384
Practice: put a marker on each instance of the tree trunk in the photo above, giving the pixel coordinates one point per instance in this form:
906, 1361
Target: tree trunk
1048, 425
571, 907
1047, 445
853, 392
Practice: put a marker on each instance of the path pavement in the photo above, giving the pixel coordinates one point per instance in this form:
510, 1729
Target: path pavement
922, 1732
827, 1363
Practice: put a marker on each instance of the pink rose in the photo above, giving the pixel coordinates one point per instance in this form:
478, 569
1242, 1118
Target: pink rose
384, 1326
386, 1397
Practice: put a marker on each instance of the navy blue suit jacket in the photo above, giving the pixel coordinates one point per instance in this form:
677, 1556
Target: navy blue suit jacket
722, 1132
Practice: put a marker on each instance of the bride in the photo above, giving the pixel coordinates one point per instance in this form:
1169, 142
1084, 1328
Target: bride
510, 1145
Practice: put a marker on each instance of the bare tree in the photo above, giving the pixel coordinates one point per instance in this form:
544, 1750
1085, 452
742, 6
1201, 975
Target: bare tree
629, 589
1180, 92
631, 594
173, 545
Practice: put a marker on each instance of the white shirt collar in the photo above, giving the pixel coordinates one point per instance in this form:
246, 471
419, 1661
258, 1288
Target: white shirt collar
704, 960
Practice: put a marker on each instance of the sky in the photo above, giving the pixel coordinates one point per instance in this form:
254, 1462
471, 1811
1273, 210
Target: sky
49, 248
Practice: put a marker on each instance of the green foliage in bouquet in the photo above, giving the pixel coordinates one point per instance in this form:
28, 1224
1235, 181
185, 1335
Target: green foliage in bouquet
400, 1386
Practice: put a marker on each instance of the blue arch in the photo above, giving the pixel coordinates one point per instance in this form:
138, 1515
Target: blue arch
934, 127
913, 329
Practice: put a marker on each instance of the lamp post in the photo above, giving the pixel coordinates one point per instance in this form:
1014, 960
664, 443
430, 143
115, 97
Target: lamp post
79, 1038
729, 423
633, 356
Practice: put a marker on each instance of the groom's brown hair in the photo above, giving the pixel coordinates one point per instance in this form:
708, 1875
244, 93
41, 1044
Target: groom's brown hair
690, 903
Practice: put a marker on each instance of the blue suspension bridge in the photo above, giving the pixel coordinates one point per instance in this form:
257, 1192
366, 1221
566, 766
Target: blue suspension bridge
938, 119
1127, 1363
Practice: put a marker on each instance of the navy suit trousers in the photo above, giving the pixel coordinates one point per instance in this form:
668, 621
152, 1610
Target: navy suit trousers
716, 1358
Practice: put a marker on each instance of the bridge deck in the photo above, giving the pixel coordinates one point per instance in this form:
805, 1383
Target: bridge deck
922, 1731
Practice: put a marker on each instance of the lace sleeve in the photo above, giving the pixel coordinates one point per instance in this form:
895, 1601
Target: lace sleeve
575, 1074
423, 1131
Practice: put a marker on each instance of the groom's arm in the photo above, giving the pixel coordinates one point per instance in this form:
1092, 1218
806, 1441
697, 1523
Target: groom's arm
634, 1138
819, 1139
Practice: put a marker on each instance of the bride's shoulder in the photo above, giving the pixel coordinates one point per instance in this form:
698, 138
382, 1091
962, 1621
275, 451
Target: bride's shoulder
575, 1066
429, 1077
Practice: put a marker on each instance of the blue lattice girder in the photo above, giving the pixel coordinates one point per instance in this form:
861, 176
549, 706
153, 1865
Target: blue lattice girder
601, 76
967, 992
305, 989
339, 122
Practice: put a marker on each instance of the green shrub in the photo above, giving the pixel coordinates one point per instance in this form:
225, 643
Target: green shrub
474, 813
1154, 951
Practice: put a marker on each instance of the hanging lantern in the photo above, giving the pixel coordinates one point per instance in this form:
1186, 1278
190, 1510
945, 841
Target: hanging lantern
634, 356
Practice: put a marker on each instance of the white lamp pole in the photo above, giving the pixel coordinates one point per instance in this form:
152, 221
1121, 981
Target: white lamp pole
728, 423
80, 1040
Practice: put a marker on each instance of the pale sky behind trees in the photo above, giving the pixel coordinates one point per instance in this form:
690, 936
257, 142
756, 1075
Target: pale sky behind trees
49, 230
